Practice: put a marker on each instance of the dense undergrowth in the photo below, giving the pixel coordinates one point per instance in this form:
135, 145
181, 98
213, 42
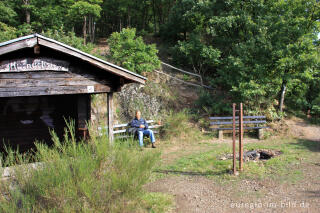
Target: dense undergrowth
78, 176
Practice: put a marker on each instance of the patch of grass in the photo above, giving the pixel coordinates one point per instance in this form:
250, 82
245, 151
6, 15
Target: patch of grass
157, 202
205, 163
284, 167
78, 176
178, 125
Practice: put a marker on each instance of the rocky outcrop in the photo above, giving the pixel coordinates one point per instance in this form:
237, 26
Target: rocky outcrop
132, 98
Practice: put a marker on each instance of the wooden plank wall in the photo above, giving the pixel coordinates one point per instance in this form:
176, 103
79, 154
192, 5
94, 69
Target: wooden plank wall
82, 78
49, 83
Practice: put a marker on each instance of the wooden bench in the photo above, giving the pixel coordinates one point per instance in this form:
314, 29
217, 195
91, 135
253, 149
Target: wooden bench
249, 123
120, 130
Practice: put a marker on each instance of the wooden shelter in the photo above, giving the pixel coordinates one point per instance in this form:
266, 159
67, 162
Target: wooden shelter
43, 82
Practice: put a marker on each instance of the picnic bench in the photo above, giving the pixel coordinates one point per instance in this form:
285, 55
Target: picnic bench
249, 123
120, 130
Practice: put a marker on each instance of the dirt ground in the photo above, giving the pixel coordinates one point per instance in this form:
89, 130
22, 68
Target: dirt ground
194, 193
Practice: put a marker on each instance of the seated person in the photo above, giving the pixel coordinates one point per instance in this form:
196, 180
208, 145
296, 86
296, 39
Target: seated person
142, 129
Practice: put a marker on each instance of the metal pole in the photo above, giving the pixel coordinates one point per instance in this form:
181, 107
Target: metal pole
234, 137
241, 137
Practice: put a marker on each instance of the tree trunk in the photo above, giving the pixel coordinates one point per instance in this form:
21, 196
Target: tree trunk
84, 30
28, 19
28, 16
129, 18
93, 31
144, 16
90, 27
283, 92
154, 17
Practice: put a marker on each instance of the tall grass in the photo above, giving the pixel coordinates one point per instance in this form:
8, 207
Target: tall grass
179, 125
78, 176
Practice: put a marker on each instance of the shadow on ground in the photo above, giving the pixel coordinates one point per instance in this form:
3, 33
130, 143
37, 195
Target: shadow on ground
313, 146
191, 173
313, 193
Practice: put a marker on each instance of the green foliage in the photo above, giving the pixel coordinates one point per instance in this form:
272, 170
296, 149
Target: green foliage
213, 104
247, 49
75, 176
8, 15
145, 16
178, 125
24, 29
69, 38
185, 17
130, 52
79, 9
7, 32
196, 54
157, 202
315, 110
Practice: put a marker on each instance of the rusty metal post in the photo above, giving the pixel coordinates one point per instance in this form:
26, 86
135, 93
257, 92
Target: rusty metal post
241, 138
234, 137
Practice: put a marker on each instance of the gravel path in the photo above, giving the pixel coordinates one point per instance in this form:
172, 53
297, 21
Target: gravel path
300, 129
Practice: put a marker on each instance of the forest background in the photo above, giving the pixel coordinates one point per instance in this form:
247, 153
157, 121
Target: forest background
263, 53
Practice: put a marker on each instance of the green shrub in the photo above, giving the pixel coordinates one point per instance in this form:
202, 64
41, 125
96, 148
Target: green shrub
7, 33
81, 176
178, 125
70, 39
212, 104
130, 52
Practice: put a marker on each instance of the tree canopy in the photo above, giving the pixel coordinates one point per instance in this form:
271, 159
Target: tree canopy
130, 52
263, 53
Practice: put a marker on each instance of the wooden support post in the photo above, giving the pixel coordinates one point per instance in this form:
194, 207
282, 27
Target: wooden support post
110, 117
234, 137
83, 115
241, 137
220, 134
260, 134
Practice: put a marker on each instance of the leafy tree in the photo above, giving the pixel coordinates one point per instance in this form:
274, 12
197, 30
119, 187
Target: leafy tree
144, 15
71, 39
185, 17
7, 13
293, 35
50, 14
263, 45
263, 53
196, 54
87, 11
130, 52
7, 32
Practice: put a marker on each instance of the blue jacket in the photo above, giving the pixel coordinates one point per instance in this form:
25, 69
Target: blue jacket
136, 123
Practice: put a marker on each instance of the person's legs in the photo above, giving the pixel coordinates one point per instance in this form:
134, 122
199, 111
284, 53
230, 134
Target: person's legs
151, 135
152, 138
140, 136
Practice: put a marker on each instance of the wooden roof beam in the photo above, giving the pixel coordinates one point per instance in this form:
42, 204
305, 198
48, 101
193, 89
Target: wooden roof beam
92, 61
28, 43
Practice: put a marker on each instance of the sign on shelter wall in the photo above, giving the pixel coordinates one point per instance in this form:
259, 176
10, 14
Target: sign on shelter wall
34, 64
